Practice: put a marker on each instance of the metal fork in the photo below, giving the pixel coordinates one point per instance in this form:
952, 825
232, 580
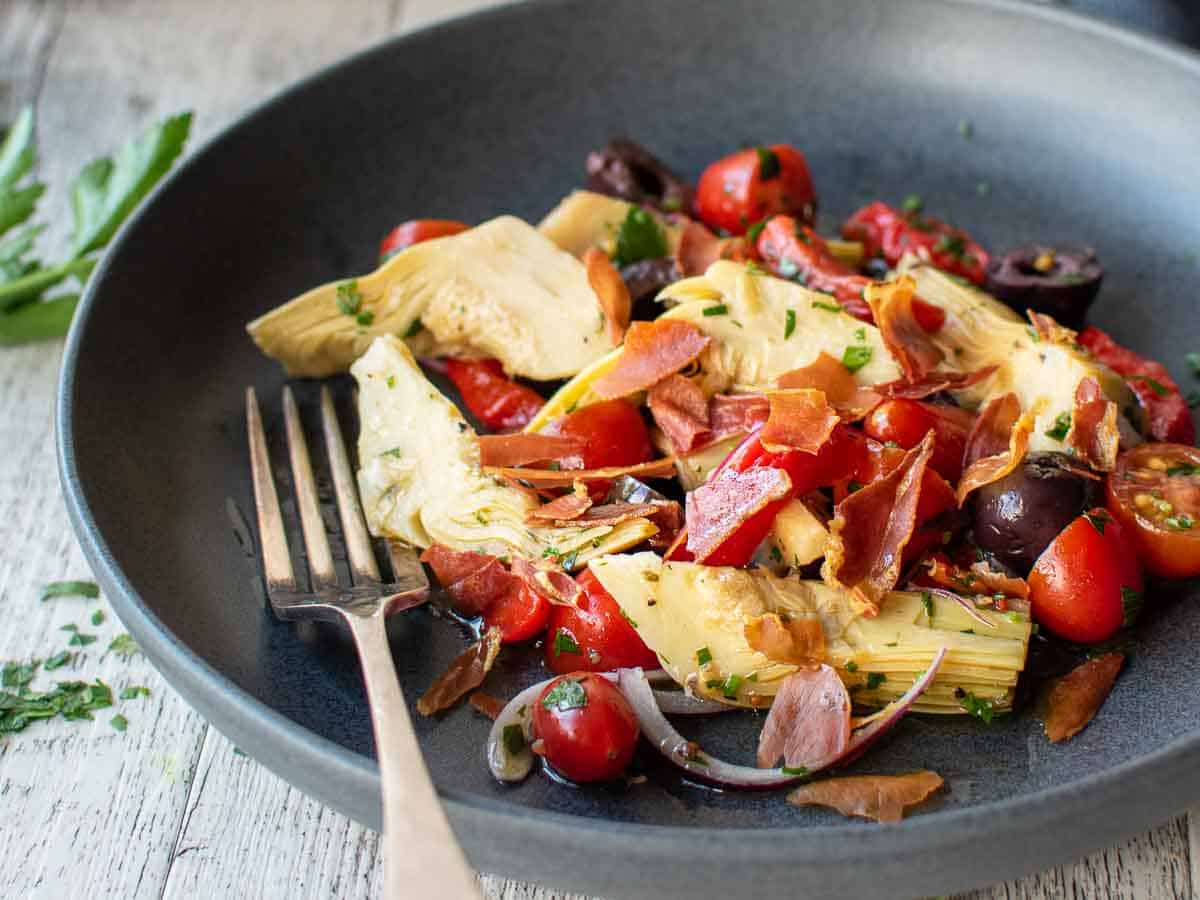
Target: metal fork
421, 855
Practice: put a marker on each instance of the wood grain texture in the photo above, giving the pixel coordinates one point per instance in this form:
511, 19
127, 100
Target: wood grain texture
168, 809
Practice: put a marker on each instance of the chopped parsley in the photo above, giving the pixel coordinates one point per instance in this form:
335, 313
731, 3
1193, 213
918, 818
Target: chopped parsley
965, 129
1131, 604
513, 738
789, 324
856, 357
1062, 426
124, 646
639, 237
365, 318
568, 694
980, 709
776, 555
482, 520
15, 675
731, 685
952, 244
79, 639
1181, 522
88, 589
413, 330
1193, 361
134, 691
828, 307
913, 203
927, 604
1183, 469
875, 679
550, 552
719, 309
1098, 519
628, 618
703, 656
768, 163
1157, 386
57, 661
564, 642
852, 667
98, 617
119, 722
799, 770
755, 230
349, 299
755, 269
69, 699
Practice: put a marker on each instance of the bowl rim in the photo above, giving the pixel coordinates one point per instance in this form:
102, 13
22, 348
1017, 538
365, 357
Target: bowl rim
1147, 789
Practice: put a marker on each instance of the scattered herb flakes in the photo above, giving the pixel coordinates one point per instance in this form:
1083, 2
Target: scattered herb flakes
17, 675
852, 667
913, 203
927, 605
1157, 386
639, 237
119, 723
1062, 426
564, 642
799, 770
965, 129
365, 318
88, 589
1180, 522
768, 163
413, 330
238, 751
854, 358
79, 639
1193, 361
719, 309
875, 679
69, 699
98, 617
980, 709
124, 646
776, 554
755, 269
703, 656
513, 738
628, 618
481, 518
349, 299
57, 661
983, 188
68, 627
1183, 469
828, 307
789, 324
134, 691
1098, 519
1131, 604
755, 230
730, 688
568, 694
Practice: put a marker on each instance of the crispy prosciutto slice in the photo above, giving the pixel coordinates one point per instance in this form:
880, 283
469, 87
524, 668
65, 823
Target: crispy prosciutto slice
979, 579
652, 351
487, 704
794, 642
699, 248
736, 413
908, 342
847, 396
718, 509
800, 419
611, 292
932, 383
680, 409
871, 528
466, 673
996, 444
523, 448
1071, 702
809, 723
658, 468
473, 581
1094, 436
566, 508
883, 798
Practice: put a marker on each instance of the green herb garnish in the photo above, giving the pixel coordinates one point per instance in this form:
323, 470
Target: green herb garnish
1181, 522
69, 699
854, 358
755, 230
134, 691
703, 656
349, 300
119, 722
789, 324
564, 642
124, 646
639, 237
365, 318
852, 667
768, 163
913, 203
927, 604
1131, 604
413, 330
1157, 386
719, 309
79, 639
828, 307
800, 770
1098, 519
568, 694
88, 589
875, 679
731, 685
1062, 426
98, 617
57, 661
513, 738
980, 709
965, 129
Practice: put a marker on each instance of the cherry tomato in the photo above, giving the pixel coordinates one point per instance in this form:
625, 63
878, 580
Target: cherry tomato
615, 434
792, 250
605, 639
521, 613
492, 397
1167, 410
1087, 584
1155, 494
906, 422
747, 186
414, 231
587, 728
887, 232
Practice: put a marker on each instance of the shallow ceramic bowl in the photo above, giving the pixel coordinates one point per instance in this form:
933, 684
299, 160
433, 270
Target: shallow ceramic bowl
1075, 131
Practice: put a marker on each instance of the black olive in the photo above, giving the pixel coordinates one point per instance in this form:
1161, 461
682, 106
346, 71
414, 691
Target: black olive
647, 277
627, 170
1060, 280
1018, 516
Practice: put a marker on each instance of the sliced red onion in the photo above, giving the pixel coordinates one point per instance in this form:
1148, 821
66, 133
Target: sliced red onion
504, 764
966, 604
679, 703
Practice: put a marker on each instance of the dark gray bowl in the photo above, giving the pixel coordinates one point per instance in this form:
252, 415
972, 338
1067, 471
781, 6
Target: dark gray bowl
1077, 130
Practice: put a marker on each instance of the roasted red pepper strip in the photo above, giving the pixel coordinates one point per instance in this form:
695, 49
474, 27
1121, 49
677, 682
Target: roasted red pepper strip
890, 233
492, 397
794, 251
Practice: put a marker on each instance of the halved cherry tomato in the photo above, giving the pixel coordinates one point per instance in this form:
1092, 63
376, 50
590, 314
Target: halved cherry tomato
594, 635
747, 186
521, 613
1155, 494
1167, 410
890, 233
414, 231
1087, 584
492, 397
792, 250
587, 729
615, 434
906, 422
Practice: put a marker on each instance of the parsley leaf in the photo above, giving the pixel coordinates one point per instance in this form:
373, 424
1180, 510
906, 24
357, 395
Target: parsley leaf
755, 230
119, 722
124, 646
98, 617
57, 661
856, 357
1131, 604
1098, 519
828, 307
768, 163
730, 688
703, 656
1193, 361
566, 695
875, 679
134, 691
719, 309
349, 300
79, 639
88, 589
927, 604
1157, 386
69, 699
913, 203
1062, 426
980, 709
564, 642
789, 324
513, 738
639, 237
413, 330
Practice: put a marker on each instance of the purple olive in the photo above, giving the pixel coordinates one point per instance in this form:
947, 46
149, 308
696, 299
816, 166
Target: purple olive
627, 170
1060, 280
649, 276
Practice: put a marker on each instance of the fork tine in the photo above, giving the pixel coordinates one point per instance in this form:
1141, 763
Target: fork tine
320, 558
358, 542
277, 561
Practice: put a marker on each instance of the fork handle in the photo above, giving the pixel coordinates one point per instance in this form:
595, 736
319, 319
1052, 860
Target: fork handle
421, 856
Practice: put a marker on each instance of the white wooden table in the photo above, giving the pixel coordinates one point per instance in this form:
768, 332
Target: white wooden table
168, 809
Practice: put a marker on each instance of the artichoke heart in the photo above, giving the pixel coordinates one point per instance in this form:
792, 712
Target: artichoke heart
980, 331
695, 619
585, 219
500, 289
421, 482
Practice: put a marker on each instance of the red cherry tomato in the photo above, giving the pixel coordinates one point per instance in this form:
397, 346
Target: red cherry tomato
1155, 494
492, 397
906, 422
414, 231
594, 635
1087, 584
615, 434
887, 232
792, 250
1169, 417
521, 613
747, 186
587, 728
